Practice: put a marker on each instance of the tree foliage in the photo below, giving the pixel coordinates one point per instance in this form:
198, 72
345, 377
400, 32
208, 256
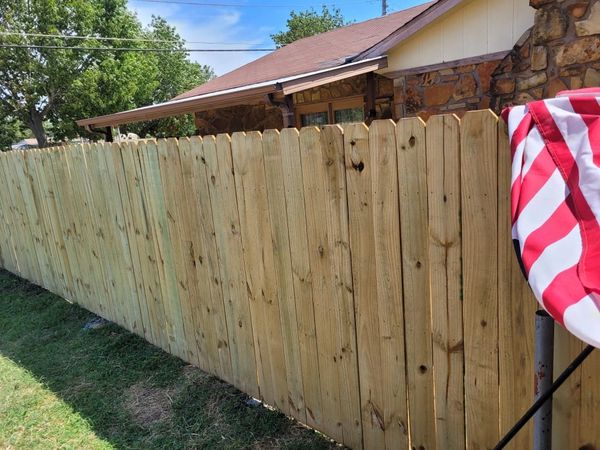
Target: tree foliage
308, 23
59, 86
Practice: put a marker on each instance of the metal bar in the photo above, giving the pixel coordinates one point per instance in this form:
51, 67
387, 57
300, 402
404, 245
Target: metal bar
544, 366
540, 401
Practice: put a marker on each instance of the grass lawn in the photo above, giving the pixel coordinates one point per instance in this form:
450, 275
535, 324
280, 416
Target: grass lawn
62, 387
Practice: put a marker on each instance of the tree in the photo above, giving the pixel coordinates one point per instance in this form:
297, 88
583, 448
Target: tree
308, 23
62, 85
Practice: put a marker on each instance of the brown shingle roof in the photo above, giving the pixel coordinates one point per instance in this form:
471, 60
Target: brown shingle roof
313, 53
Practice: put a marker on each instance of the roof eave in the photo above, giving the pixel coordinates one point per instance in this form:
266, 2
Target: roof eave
235, 96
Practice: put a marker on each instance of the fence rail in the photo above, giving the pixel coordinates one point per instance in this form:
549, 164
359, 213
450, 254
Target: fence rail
361, 280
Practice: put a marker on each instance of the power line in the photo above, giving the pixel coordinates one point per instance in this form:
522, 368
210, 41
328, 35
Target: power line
239, 5
106, 38
125, 49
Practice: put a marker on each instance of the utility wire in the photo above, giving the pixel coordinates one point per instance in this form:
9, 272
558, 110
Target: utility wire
105, 38
240, 5
125, 49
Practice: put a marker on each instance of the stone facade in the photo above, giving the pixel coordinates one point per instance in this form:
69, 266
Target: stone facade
258, 117
450, 90
261, 116
561, 51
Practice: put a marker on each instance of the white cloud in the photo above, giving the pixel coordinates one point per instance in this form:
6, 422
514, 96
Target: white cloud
219, 25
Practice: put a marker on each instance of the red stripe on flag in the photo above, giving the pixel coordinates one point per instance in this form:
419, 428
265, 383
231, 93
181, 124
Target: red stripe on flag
560, 223
563, 291
540, 171
590, 262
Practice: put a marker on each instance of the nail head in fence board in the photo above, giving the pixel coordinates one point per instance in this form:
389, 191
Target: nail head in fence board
443, 183
516, 313
219, 171
250, 183
480, 252
301, 274
567, 402
274, 176
412, 178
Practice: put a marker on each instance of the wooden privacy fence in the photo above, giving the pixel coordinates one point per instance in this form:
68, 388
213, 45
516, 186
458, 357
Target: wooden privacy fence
361, 280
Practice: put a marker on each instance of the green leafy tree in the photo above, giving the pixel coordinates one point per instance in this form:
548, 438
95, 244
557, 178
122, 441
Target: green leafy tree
11, 131
58, 86
308, 23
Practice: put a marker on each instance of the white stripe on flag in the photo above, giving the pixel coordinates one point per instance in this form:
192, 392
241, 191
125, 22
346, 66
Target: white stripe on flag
555, 259
534, 146
582, 319
539, 209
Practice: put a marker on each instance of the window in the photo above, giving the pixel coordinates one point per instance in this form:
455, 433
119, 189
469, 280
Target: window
315, 118
347, 110
349, 115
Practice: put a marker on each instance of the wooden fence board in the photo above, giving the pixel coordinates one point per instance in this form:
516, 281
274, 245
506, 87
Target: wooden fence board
207, 302
361, 280
444, 202
283, 272
261, 279
219, 169
480, 295
327, 226
516, 314
412, 178
302, 275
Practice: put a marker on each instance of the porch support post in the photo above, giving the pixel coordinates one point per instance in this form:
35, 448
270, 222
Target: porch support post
287, 111
371, 111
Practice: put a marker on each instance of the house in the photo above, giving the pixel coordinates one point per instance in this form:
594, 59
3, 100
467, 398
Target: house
447, 56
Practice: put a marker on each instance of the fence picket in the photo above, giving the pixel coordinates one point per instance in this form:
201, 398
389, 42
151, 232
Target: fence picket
480, 294
443, 183
360, 279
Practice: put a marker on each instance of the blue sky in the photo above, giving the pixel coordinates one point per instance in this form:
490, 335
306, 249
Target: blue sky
245, 27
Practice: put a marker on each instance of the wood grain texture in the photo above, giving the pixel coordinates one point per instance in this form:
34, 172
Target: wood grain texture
445, 252
412, 178
479, 137
516, 314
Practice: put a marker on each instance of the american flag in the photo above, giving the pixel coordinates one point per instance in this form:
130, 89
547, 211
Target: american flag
555, 205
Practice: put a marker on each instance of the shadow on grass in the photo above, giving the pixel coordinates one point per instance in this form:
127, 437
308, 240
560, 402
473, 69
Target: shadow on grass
133, 394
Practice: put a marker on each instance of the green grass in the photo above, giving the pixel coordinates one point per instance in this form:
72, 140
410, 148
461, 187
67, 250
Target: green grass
62, 387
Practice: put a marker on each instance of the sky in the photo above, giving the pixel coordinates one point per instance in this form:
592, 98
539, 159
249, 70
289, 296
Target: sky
248, 26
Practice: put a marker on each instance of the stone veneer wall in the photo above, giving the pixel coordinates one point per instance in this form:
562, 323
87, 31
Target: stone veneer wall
451, 90
239, 118
261, 117
561, 51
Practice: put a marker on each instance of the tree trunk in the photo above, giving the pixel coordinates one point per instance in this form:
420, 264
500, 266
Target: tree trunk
35, 122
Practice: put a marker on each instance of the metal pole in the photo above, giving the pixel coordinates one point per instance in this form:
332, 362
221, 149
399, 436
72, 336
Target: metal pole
545, 396
544, 366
